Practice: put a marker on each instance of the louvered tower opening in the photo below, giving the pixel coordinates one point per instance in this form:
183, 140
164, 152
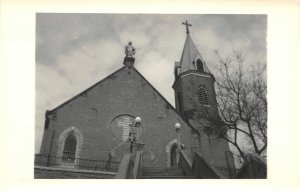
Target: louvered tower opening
202, 95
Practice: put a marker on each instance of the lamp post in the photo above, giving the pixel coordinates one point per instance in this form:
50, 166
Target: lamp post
137, 125
134, 133
177, 130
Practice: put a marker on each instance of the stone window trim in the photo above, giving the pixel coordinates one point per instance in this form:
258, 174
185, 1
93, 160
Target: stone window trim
125, 133
61, 144
198, 64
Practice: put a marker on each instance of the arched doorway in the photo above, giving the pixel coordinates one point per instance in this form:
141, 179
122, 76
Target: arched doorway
171, 152
173, 155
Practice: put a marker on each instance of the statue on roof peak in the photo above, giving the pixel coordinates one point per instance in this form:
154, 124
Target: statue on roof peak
129, 49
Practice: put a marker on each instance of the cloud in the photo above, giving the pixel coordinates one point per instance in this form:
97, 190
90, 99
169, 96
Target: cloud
156, 69
85, 64
73, 72
51, 89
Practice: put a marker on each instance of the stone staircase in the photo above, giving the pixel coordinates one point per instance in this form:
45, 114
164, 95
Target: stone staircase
164, 173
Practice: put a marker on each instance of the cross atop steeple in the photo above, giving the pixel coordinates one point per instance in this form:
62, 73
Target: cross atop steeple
187, 26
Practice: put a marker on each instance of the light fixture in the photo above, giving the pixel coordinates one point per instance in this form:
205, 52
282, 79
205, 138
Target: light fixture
137, 120
177, 127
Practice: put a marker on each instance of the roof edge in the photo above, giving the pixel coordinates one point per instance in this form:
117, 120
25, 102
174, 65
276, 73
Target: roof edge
191, 71
84, 91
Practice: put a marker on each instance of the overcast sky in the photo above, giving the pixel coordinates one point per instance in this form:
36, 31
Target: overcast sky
75, 51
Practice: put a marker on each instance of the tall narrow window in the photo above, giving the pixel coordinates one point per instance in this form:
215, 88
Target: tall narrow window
177, 71
199, 65
70, 149
179, 101
202, 95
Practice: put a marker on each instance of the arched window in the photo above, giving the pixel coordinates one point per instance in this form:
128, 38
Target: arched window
70, 148
69, 143
202, 95
199, 65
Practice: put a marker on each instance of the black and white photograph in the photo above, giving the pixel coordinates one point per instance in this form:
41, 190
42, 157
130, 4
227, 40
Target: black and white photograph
151, 96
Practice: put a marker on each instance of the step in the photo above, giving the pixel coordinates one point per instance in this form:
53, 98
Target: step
169, 177
176, 173
163, 169
166, 169
164, 173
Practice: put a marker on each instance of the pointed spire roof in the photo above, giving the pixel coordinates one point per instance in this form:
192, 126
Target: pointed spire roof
190, 55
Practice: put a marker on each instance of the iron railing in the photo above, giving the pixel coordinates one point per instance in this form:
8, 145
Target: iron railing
76, 163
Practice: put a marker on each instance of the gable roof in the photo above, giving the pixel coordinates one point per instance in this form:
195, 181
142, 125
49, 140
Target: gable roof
86, 90
110, 76
189, 54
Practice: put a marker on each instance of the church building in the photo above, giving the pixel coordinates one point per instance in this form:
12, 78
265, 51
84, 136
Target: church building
103, 121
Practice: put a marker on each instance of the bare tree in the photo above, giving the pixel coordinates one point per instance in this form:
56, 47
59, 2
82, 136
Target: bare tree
241, 94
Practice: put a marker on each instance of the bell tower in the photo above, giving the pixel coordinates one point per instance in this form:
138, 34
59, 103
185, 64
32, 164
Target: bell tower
194, 84
195, 100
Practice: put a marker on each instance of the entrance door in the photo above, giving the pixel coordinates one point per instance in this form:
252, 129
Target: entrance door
173, 155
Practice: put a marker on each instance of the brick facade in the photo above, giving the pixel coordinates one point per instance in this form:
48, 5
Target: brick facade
92, 114
125, 92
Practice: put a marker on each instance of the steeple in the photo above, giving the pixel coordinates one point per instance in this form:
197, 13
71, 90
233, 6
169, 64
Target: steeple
194, 84
191, 58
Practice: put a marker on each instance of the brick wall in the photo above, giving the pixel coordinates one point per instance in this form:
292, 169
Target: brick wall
188, 86
124, 92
